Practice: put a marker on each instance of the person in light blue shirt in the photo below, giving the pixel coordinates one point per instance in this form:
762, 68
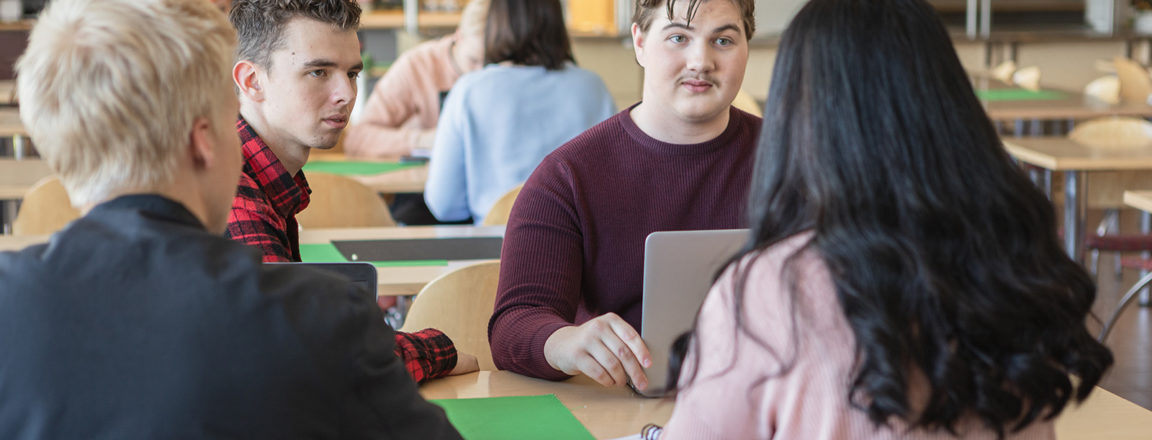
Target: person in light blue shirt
498, 123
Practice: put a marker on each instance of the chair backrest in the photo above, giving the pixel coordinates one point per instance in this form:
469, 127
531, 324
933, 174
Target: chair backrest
341, 202
46, 209
746, 102
1003, 71
1027, 77
1114, 132
1106, 188
1106, 89
1135, 83
502, 209
459, 304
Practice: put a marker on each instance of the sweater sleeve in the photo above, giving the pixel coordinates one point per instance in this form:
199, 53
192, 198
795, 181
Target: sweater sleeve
540, 273
446, 190
381, 130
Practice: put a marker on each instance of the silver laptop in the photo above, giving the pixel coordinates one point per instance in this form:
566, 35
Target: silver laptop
678, 270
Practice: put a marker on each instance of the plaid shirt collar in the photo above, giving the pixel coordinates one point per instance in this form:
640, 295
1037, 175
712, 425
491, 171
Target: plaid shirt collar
288, 194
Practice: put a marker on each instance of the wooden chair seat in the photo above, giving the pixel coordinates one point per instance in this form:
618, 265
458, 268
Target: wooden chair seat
341, 202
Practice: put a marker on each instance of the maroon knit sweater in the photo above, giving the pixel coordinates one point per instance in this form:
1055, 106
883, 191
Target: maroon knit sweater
574, 247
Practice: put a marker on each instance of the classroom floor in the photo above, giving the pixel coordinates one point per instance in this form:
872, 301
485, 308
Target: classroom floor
1130, 341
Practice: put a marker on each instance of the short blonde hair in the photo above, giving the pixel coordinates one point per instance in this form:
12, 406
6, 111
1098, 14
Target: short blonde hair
109, 89
473, 18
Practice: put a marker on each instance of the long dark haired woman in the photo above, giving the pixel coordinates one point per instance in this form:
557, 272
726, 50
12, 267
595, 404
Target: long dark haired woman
904, 279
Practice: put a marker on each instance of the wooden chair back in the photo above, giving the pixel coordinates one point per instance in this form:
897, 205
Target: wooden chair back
1106, 188
1106, 89
1135, 83
1027, 77
502, 209
46, 208
341, 202
459, 303
746, 102
1003, 71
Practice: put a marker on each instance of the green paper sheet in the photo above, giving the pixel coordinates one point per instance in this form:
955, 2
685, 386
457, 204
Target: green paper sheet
513, 418
1019, 95
355, 168
327, 253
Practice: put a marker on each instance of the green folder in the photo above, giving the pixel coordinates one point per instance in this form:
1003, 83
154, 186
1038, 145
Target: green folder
327, 253
353, 168
513, 418
1019, 95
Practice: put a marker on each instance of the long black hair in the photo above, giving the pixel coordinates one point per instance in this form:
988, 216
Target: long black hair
945, 258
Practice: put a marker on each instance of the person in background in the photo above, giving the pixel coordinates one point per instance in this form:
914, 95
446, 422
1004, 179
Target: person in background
904, 279
138, 320
295, 74
571, 271
499, 123
401, 114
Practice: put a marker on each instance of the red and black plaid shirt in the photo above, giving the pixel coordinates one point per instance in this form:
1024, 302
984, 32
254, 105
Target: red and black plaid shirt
264, 215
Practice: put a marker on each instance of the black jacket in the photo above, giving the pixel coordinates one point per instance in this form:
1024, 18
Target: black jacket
136, 323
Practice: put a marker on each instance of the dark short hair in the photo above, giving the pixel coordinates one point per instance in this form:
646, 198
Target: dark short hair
645, 10
260, 23
527, 32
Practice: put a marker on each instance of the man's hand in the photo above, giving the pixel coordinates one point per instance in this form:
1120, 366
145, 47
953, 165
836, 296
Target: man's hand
606, 349
465, 363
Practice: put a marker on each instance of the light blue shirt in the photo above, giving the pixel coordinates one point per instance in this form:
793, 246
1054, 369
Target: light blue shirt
497, 125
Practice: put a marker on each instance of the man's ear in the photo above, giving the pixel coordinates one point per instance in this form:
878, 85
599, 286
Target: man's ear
639, 39
246, 75
201, 144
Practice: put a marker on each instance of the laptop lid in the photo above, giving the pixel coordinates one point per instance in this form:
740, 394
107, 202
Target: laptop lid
678, 270
360, 274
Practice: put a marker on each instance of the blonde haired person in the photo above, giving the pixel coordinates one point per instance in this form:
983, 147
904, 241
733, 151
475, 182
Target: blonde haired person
139, 320
401, 114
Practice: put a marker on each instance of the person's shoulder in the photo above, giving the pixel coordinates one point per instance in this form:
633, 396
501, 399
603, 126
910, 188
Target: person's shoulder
599, 140
434, 53
322, 300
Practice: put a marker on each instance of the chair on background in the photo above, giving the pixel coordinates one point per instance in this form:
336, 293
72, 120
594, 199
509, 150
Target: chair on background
341, 202
1106, 89
45, 209
1135, 82
1003, 71
748, 104
459, 303
502, 209
1027, 77
1105, 189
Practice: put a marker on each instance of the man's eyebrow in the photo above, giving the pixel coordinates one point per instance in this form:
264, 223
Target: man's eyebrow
677, 25
321, 62
727, 27
715, 31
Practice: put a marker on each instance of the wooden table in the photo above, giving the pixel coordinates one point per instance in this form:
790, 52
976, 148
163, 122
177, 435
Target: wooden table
1073, 106
18, 176
616, 412
398, 281
408, 180
606, 412
1064, 154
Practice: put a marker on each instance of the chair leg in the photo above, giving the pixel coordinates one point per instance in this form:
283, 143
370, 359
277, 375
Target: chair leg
1094, 262
1127, 299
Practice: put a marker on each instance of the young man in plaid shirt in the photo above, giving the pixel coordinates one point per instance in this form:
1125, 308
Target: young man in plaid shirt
296, 78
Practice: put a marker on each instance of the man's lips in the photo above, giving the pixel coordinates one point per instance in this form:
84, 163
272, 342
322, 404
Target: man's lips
696, 85
336, 121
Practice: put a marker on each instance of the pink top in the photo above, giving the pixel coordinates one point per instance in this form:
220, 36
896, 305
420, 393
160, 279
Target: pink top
405, 102
810, 400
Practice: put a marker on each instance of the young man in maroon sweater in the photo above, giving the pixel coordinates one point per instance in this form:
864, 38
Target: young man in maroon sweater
569, 299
